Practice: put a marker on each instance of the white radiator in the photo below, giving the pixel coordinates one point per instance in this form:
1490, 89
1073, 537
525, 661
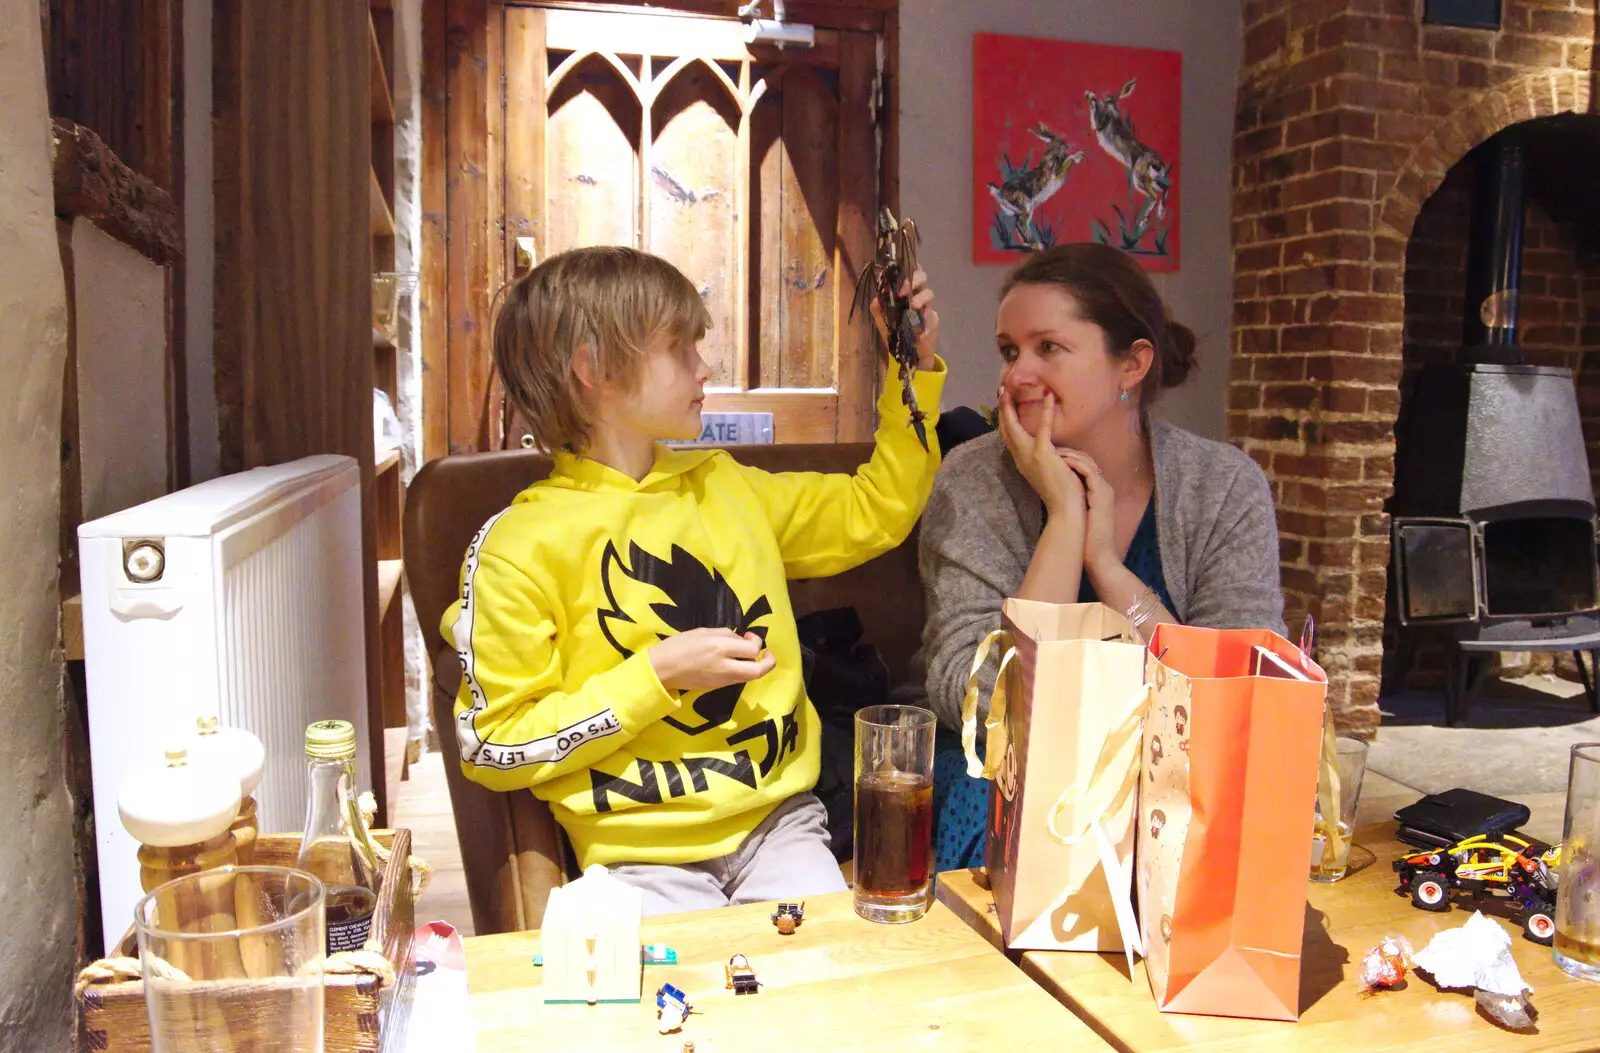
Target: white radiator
256, 616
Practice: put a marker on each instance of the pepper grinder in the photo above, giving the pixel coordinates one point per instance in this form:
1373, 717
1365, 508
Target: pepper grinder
180, 814
238, 752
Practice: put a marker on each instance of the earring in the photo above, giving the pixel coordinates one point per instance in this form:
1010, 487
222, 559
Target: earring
1124, 395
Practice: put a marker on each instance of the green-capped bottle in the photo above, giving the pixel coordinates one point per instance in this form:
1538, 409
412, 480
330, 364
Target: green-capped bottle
336, 845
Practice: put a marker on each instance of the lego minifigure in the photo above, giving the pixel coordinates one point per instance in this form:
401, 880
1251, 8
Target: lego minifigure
741, 978
673, 1007
788, 917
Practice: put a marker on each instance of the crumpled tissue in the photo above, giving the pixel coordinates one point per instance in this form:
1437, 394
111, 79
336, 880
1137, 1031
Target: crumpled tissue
1478, 955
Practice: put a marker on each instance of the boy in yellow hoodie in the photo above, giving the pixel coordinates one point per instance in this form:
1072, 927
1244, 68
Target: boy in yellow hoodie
624, 627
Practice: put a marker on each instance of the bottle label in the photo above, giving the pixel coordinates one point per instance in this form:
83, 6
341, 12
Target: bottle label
349, 913
348, 935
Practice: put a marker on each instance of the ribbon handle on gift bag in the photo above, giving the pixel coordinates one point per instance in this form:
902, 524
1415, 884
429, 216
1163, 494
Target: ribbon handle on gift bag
1113, 780
1329, 792
995, 723
1328, 789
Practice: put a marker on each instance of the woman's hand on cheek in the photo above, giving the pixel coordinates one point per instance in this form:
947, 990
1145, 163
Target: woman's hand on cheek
1057, 485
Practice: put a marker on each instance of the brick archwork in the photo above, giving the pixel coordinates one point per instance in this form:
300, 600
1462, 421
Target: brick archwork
1350, 114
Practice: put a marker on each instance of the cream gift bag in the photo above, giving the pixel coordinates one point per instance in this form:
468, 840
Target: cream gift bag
1062, 752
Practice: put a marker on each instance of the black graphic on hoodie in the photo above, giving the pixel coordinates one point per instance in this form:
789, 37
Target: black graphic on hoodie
697, 598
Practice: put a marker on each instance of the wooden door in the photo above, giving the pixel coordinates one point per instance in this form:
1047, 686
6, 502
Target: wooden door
753, 170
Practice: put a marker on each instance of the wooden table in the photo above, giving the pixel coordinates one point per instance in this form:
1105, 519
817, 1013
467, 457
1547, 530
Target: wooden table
839, 983
1343, 921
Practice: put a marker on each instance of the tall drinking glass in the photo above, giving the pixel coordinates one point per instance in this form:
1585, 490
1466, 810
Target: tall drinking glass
1577, 941
1330, 840
233, 961
894, 813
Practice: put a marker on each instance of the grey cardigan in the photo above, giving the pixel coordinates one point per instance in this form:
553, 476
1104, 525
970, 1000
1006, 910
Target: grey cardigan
1214, 521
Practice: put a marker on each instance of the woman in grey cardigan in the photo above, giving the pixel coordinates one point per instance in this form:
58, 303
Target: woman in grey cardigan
1081, 497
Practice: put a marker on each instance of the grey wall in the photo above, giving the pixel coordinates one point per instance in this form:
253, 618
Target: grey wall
936, 171
38, 895
121, 319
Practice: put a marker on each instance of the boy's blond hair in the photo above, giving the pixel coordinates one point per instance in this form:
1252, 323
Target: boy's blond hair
607, 302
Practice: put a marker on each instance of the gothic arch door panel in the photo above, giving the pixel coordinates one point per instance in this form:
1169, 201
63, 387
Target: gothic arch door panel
753, 170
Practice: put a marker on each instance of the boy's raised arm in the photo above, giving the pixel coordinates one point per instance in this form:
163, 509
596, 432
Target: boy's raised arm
829, 522
515, 723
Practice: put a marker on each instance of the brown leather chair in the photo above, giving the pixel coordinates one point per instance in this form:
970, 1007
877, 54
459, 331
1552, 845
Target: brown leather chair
511, 849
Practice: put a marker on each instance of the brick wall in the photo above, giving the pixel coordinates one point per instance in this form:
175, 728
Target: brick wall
1350, 114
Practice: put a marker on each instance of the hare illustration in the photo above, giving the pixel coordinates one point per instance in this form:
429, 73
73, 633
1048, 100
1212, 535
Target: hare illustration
1147, 172
1028, 188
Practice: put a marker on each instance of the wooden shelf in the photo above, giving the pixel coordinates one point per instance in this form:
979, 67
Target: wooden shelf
387, 461
381, 342
382, 218
382, 102
390, 572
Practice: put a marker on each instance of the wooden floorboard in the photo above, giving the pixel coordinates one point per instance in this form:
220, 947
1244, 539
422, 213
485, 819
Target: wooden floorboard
422, 805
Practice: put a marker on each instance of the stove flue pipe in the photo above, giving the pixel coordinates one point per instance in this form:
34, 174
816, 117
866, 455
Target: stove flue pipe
1494, 255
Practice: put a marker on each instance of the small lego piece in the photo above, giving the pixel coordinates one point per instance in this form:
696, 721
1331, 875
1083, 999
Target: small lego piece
673, 1006
788, 917
659, 954
741, 978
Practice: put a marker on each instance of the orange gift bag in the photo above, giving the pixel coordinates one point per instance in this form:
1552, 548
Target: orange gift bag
1231, 750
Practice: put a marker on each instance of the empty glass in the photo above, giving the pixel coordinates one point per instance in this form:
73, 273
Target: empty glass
1577, 939
894, 813
233, 961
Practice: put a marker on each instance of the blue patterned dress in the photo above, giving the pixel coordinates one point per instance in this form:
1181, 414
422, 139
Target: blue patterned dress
960, 802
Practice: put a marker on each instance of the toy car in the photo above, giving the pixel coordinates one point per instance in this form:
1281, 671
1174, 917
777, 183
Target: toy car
1507, 867
788, 917
741, 978
673, 1007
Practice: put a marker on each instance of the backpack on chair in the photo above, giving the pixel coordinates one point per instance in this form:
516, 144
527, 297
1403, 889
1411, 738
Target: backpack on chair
843, 673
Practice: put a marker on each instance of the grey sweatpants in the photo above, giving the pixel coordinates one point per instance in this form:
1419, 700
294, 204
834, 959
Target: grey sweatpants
786, 857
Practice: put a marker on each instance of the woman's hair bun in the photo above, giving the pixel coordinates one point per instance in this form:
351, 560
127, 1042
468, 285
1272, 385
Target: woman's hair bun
1177, 354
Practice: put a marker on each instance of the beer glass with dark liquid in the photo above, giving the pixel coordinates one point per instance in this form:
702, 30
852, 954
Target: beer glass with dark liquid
893, 813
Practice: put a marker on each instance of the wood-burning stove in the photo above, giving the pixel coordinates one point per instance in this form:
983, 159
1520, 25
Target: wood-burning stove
1493, 515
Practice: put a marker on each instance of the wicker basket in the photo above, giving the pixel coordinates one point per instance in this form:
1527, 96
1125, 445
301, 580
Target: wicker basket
112, 1015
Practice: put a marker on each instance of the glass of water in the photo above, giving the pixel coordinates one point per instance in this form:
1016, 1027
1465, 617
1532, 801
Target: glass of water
233, 961
1577, 938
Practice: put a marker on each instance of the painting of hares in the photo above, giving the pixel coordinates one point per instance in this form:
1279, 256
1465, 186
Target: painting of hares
1075, 142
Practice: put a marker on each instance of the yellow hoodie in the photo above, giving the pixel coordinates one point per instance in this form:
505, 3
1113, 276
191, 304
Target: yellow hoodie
564, 592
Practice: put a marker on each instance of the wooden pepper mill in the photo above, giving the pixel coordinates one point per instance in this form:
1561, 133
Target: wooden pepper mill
236, 751
180, 814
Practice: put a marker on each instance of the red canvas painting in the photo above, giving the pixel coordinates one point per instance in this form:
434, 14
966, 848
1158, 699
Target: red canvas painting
1075, 142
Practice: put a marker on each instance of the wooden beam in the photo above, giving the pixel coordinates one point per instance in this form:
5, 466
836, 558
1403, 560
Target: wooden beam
798, 415
92, 182
434, 289
293, 306
179, 469
382, 102
72, 627
467, 164
856, 364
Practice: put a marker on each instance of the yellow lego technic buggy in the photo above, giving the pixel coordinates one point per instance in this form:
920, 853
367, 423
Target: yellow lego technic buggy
1507, 867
